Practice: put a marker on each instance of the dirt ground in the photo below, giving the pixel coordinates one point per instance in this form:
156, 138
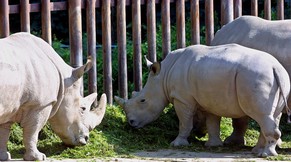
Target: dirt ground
182, 156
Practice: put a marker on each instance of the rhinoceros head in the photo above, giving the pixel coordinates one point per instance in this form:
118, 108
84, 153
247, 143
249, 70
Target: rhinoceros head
146, 106
74, 119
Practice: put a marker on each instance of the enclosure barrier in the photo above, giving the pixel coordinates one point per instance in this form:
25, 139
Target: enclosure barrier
230, 9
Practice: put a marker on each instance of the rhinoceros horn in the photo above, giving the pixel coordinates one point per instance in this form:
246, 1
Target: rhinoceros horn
120, 101
149, 63
97, 114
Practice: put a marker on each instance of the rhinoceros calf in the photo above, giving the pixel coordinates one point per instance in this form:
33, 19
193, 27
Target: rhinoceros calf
228, 80
37, 86
273, 37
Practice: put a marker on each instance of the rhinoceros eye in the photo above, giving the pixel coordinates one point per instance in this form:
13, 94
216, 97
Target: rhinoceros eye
142, 100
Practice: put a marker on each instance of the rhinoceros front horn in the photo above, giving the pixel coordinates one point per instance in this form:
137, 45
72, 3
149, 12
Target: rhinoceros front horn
99, 112
120, 101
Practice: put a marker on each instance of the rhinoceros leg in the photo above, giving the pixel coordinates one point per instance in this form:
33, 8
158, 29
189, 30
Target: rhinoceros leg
4, 132
185, 115
240, 126
32, 124
271, 133
213, 128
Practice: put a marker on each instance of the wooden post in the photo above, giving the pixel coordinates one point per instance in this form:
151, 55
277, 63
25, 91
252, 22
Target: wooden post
4, 19
195, 22
180, 18
226, 12
91, 46
254, 7
280, 9
121, 41
106, 41
24, 15
209, 21
136, 35
151, 30
237, 8
166, 27
46, 21
267, 9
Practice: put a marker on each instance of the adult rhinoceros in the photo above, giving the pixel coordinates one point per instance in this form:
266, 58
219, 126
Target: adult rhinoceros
37, 86
273, 37
228, 80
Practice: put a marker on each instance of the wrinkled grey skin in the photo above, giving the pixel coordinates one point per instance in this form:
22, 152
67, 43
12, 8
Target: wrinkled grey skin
37, 86
273, 37
228, 80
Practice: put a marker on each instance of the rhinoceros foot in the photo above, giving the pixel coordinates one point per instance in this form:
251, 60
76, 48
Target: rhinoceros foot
180, 142
264, 152
5, 156
212, 142
33, 156
235, 141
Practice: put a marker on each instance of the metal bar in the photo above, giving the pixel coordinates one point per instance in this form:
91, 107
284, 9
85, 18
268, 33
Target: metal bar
237, 8
106, 41
209, 21
91, 46
195, 22
226, 12
280, 9
267, 9
166, 27
180, 18
136, 35
151, 30
46, 21
24, 16
121, 41
254, 7
4, 19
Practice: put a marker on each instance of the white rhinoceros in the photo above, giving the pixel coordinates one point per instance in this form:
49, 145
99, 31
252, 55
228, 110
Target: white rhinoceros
273, 37
37, 86
228, 80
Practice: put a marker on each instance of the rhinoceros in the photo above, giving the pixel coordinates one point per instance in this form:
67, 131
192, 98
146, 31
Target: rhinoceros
273, 37
37, 86
227, 80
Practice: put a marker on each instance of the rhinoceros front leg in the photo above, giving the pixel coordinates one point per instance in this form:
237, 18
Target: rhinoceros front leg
4, 132
240, 126
185, 115
33, 122
213, 128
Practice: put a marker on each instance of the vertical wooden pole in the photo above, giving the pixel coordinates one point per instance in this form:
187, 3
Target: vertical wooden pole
180, 17
121, 41
166, 27
4, 18
267, 9
106, 41
136, 34
209, 21
254, 7
280, 9
151, 30
24, 15
75, 35
46, 21
237, 8
91, 46
195, 22
226, 12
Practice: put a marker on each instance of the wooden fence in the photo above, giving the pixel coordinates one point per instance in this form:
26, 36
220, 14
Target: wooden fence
230, 9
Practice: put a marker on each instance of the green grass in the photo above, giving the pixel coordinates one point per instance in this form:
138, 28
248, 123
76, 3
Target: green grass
115, 138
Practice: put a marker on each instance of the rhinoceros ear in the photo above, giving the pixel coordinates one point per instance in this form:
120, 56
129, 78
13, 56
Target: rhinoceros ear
78, 72
156, 67
134, 94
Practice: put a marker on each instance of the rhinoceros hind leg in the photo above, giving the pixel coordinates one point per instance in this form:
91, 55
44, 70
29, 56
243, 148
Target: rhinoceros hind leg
4, 132
213, 128
240, 126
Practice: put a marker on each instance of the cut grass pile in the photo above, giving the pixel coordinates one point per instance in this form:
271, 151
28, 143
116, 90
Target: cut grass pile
115, 138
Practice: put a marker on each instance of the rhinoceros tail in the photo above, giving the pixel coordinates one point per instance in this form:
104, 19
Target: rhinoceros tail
284, 96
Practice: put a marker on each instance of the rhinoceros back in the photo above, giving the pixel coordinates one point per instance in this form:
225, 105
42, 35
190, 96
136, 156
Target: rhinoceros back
28, 78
